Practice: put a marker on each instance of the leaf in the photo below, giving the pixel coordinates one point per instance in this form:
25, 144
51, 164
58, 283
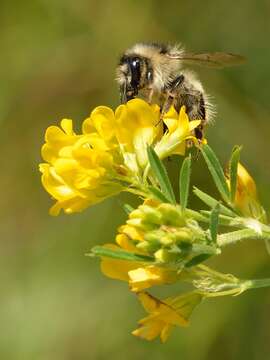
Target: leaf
196, 215
214, 220
161, 174
197, 260
216, 172
211, 202
223, 219
233, 171
119, 254
184, 182
157, 194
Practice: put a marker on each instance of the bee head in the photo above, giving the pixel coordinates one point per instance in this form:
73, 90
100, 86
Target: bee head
134, 73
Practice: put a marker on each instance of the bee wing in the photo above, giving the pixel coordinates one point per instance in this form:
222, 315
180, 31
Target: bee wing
214, 60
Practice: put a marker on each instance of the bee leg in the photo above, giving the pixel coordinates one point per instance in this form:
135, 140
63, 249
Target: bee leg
123, 93
199, 132
150, 96
172, 93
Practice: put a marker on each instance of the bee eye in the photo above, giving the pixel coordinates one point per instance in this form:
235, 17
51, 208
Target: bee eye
136, 63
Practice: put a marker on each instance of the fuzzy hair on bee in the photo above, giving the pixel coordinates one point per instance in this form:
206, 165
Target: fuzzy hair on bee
156, 73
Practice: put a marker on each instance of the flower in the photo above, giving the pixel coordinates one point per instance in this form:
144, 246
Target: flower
163, 231
180, 129
110, 154
136, 125
165, 239
79, 169
246, 198
139, 275
164, 315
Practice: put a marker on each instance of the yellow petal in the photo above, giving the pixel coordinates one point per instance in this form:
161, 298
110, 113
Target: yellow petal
117, 269
245, 181
125, 243
145, 277
150, 330
67, 126
103, 120
193, 124
165, 333
184, 120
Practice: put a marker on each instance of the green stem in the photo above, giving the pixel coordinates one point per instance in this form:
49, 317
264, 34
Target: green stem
239, 235
258, 283
138, 192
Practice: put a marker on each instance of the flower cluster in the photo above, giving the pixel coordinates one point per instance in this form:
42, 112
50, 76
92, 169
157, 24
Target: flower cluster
110, 155
163, 240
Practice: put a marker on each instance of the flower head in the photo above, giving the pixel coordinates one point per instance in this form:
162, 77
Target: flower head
164, 315
161, 234
163, 231
83, 169
79, 169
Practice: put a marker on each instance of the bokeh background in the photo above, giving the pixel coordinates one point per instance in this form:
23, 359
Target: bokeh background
57, 60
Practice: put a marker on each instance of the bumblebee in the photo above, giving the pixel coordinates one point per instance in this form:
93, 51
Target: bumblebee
156, 73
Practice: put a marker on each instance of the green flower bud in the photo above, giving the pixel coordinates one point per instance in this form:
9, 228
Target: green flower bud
171, 215
166, 256
147, 246
183, 235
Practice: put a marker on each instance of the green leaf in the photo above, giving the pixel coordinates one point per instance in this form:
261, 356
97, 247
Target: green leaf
196, 215
161, 174
119, 254
223, 219
214, 220
157, 194
233, 171
184, 182
197, 260
211, 202
216, 171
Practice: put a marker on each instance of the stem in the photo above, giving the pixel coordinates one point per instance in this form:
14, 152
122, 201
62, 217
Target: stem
258, 283
239, 235
138, 192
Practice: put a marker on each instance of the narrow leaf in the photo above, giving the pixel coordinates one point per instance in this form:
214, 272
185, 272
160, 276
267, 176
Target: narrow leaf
184, 182
211, 202
196, 215
233, 171
223, 219
216, 172
119, 254
197, 260
161, 174
214, 220
158, 195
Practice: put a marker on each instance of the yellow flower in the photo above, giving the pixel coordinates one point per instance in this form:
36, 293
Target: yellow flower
84, 169
246, 198
139, 275
164, 315
180, 129
133, 127
160, 232
79, 168
136, 124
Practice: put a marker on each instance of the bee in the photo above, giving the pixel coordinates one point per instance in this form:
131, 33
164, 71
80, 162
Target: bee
156, 73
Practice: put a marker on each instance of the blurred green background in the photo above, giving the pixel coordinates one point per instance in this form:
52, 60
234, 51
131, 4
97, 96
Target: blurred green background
58, 60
